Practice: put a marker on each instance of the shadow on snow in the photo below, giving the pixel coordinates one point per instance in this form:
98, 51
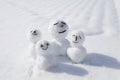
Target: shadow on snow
97, 59
69, 69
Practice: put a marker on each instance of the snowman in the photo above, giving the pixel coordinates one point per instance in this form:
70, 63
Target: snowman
44, 60
34, 36
77, 52
59, 30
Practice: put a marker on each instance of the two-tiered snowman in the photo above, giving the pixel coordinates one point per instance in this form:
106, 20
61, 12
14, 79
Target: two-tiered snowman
77, 52
45, 60
34, 35
59, 30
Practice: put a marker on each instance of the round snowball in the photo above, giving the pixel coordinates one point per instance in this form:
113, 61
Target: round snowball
77, 55
34, 35
59, 29
77, 38
43, 48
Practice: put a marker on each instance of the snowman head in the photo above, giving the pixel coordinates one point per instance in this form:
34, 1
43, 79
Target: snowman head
77, 38
34, 35
42, 47
59, 29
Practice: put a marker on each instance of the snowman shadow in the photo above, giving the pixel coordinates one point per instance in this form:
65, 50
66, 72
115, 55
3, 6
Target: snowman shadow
63, 59
69, 69
97, 59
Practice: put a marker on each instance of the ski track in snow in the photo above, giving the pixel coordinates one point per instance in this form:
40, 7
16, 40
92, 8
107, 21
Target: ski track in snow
111, 19
78, 10
96, 22
70, 9
85, 15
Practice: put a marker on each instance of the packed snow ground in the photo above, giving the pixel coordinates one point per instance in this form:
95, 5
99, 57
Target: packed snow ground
17, 17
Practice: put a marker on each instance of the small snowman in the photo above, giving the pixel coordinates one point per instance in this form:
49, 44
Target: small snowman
59, 30
44, 60
34, 35
77, 52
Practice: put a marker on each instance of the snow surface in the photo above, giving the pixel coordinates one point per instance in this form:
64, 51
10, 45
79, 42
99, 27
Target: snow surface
18, 16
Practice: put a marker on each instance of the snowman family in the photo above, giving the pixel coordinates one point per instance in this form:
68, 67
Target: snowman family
45, 53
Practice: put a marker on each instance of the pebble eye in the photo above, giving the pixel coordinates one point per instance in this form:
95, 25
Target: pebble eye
48, 44
63, 23
41, 45
55, 23
35, 31
80, 37
74, 35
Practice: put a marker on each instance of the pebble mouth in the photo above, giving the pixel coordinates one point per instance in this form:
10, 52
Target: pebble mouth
45, 48
34, 34
62, 31
75, 42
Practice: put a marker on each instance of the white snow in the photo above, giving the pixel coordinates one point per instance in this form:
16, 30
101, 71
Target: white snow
16, 17
112, 26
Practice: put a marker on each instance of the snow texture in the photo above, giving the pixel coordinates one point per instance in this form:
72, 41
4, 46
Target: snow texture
97, 18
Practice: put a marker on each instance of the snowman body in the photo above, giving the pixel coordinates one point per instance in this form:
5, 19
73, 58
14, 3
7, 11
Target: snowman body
32, 51
45, 62
77, 54
60, 47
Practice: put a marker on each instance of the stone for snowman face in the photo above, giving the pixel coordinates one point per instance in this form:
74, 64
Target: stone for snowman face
42, 47
77, 38
34, 35
59, 29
